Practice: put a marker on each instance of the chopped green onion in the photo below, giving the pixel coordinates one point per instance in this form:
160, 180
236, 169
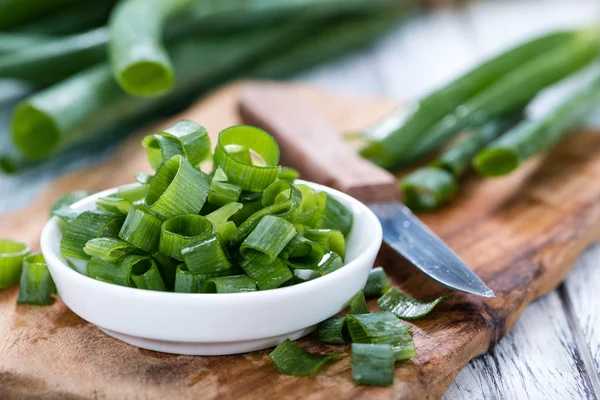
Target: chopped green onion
108, 249
185, 138
37, 285
178, 188
333, 331
11, 261
288, 174
269, 276
143, 178
229, 284
310, 207
141, 229
167, 267
335, 216
251, 203
178, 232
115, 205
68, 200
301, 253
245, 174
358, 305
283, 191
135, 194
406, 307
292, 360
331, 262
147, 276
222, 193
220, 219
428, 188
328, 239
188, 282
377, 283
240, 153
119, 272
267, 240
246, 227
381, 328
88, 225
372, 364
205, 256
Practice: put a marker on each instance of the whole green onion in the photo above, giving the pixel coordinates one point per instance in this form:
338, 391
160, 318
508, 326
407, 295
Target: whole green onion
11, 261
37, 285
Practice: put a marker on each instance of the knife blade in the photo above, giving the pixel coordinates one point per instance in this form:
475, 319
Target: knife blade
311, 145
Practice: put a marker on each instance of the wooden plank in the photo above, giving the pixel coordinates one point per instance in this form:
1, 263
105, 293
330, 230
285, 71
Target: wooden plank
538, 359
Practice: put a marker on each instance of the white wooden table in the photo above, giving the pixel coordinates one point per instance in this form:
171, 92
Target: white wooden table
554, 350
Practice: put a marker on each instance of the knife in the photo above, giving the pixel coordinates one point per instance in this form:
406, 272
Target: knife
310, 144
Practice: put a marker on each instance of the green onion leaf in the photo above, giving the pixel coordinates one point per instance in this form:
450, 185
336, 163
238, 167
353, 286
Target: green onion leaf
141, 229
222, 193
185, 138
37, 285
333, 331
115, 205
178, 232
381, 328
406, 307
358, 305
119, 272
301, 253
11, 261
178, 188
372, 364
288, 174
267, 240
87, 226
269, 276
109, 249
205, 256
335, 216
328, 239
246, 174
135, 194
145, 275
229, 284
292, 360
330, 262
377, 283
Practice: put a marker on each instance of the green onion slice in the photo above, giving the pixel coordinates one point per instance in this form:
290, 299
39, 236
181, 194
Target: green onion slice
311, 206
119, 272
178, 188
67, 200
109, 249
88, 225
267, 240
358, 305
283, 191
288, 174
406, 307
381, 328
143, 178
328, 239
292, 360
206, 255
146, 275
188, 282
135, 194
335, 216
11, 261
301, 253
37, 285
229, 284
246, 227
240, 172
331, 262
372, 364
113, 204
185, 138
167, 267
222, 193
269, 276
333, 331
141, 229
180, 231
377, 283
220, 219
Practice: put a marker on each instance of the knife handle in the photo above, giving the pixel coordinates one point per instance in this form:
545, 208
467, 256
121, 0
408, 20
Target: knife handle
311, 145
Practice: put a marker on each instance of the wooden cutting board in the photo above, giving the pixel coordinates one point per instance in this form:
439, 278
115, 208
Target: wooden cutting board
521, 234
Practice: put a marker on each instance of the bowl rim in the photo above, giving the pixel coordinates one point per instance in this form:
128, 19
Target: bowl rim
375, 241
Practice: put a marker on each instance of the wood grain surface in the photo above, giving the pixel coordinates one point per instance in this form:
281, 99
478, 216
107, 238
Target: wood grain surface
521, 234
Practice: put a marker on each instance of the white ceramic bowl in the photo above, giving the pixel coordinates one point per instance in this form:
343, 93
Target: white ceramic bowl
215, 324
